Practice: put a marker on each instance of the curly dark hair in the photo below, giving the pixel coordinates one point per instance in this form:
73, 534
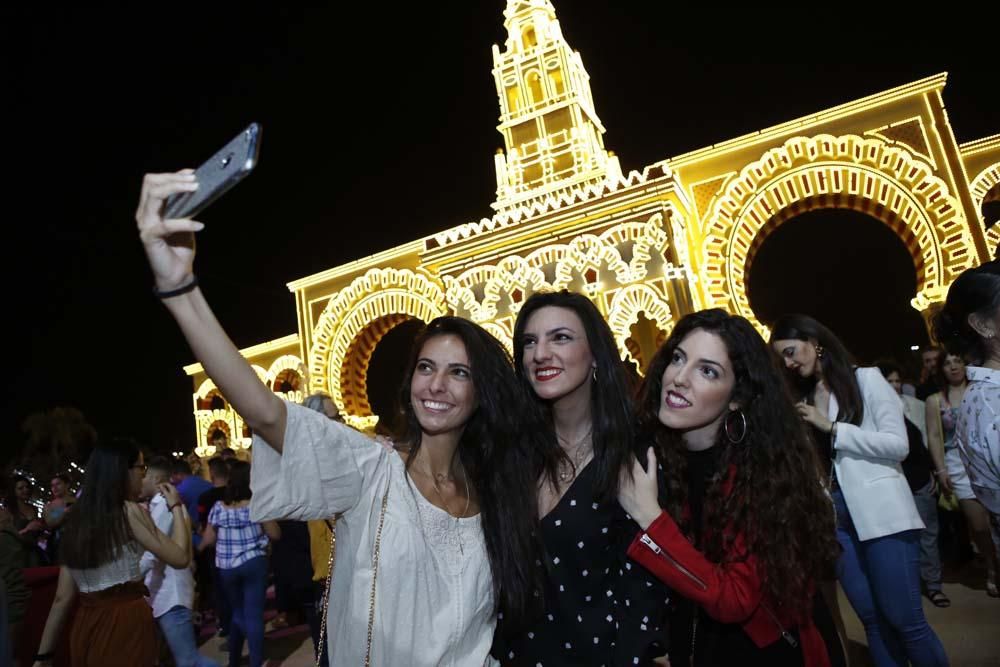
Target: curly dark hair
610, 397
776, 497
498, 452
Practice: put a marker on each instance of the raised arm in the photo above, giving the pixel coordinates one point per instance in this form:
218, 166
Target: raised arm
169, 246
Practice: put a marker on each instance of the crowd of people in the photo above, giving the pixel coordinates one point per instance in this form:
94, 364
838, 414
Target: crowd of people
544, 508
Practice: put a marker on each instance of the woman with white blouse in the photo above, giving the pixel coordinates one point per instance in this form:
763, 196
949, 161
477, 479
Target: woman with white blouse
435, 536
969, 325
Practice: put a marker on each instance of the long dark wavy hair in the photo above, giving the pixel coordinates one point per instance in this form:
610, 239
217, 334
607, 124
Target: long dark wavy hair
976, 292
497, 451
97, 526
768, 488
610, 395
836, 362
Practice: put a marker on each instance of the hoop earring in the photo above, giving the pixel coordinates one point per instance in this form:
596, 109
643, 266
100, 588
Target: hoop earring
594, 373
729, 428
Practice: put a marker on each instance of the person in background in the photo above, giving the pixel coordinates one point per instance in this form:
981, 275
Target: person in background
241, 556
857, 421
104, 538
27, 522
969, 325
190, 487
55, 513
207, 581
171, 590
930, 361
13, 559
917, 467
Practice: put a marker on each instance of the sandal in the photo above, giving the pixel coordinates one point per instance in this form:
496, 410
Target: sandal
938, 598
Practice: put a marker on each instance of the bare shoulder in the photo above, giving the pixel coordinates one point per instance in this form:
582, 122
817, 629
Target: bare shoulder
135, 513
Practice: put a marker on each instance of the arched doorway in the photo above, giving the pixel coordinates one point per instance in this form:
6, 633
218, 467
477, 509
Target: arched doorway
387, 368
846, 269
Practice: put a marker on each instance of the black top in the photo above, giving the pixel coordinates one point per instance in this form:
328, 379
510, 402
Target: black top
714, 643
206, 502
599, 608
824, 448
926, 389
917, 464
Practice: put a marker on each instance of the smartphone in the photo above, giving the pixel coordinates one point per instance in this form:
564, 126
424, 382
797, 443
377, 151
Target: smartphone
218, 174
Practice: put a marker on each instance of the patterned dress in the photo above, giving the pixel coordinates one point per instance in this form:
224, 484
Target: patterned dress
978, 436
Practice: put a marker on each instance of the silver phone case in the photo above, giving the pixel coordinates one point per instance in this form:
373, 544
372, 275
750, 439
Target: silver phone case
218, 174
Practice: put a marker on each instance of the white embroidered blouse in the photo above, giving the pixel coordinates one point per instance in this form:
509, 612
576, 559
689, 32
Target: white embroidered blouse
434, 602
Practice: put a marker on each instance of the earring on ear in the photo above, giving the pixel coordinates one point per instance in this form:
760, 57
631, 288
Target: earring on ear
594, 373
819, 352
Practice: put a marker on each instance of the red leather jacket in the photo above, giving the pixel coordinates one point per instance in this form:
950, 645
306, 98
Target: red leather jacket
728, 592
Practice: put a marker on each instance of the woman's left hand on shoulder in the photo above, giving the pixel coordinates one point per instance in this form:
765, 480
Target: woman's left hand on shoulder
637, 493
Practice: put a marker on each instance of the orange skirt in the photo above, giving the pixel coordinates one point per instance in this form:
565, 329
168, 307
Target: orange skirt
114, 628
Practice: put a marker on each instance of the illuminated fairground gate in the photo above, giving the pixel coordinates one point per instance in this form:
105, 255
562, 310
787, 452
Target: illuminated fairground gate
646, 246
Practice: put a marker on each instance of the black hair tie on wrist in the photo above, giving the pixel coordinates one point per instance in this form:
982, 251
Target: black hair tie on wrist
184, 289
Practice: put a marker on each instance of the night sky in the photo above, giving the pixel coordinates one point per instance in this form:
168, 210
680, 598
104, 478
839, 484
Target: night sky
379, 127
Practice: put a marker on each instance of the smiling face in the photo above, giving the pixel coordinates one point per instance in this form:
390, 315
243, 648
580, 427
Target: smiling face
442, 390
557, 359
696, 389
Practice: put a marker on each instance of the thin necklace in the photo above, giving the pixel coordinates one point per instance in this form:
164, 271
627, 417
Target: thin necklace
568, 469
447, 508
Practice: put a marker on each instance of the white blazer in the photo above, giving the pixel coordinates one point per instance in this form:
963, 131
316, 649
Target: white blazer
867, 461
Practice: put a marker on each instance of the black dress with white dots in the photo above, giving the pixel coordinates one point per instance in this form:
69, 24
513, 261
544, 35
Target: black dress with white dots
600, 609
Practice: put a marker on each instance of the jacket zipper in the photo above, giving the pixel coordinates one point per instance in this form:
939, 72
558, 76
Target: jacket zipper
784, 633
655, 548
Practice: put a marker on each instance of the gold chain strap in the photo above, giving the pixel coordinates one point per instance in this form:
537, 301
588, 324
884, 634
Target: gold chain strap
371, 605
329, 583
332, 524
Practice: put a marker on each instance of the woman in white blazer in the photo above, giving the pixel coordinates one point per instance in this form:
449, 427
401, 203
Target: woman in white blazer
858, 426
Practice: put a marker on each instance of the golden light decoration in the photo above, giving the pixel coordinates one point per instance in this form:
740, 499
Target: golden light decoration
646, 246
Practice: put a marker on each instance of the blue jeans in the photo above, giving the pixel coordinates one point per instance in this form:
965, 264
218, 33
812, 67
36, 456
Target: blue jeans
179, 633
881, 578
245, 588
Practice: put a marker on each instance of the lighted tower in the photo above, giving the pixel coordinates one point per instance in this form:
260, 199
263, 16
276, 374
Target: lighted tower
552, 134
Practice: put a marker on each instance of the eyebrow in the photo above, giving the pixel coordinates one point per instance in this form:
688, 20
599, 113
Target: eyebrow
702, 360
451, 365
558, 329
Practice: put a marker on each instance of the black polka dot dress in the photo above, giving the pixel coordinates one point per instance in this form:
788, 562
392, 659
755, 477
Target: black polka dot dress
600, 609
